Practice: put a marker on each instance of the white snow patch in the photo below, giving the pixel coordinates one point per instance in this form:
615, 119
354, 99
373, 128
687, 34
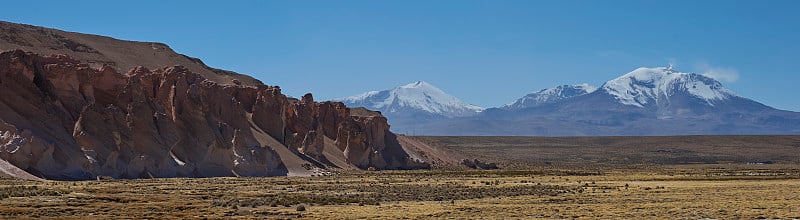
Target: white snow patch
178, 161
12, 141
89, 154
238, 159
359, 97
586, 87
418, 95
551, 94
645, 85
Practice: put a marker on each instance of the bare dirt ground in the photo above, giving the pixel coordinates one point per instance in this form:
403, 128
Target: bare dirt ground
624, 152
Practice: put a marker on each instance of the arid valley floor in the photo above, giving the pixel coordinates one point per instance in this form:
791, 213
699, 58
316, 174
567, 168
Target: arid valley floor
607, 178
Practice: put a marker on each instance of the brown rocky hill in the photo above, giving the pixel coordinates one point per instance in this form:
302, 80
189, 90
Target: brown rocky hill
98, 51
60, 118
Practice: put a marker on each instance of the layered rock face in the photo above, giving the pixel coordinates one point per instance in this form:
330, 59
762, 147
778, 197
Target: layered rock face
61, 119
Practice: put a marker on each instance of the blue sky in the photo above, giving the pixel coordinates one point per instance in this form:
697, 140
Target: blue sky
485, 52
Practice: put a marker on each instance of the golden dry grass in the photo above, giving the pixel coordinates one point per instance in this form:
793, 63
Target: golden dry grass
724, 193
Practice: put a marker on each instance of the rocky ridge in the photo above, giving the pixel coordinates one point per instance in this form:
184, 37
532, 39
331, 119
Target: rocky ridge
550, 95
62, 119
99, 51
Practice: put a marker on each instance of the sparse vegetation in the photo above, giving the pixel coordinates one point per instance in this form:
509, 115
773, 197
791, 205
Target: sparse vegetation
653, 193
28, 191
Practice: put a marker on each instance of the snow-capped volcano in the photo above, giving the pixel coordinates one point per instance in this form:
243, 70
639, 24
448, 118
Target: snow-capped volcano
645, 101
416, 97
550, 95
655, 86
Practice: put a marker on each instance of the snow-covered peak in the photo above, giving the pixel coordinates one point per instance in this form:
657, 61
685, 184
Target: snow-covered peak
419, 85
550, 95
649, 86
416, 96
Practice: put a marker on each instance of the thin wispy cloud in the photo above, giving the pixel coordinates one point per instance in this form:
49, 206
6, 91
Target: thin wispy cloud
724, 74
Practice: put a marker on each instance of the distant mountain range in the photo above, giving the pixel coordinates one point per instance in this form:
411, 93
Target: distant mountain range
646, 101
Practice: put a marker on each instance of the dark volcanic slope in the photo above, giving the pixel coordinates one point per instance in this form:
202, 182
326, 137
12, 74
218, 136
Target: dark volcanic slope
599, 152
99, 50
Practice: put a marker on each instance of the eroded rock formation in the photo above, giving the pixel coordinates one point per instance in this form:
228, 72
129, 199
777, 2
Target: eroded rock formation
61, 119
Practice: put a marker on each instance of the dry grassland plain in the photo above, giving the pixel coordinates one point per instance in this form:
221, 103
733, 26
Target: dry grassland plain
583, 178
770, 192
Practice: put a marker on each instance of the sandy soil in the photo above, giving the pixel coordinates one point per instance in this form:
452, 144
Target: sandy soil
10, 171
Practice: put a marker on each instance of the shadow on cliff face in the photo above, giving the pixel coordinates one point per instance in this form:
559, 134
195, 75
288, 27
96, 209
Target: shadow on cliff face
397, 158
61, 119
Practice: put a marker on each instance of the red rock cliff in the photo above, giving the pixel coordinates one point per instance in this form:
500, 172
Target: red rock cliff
61, 119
